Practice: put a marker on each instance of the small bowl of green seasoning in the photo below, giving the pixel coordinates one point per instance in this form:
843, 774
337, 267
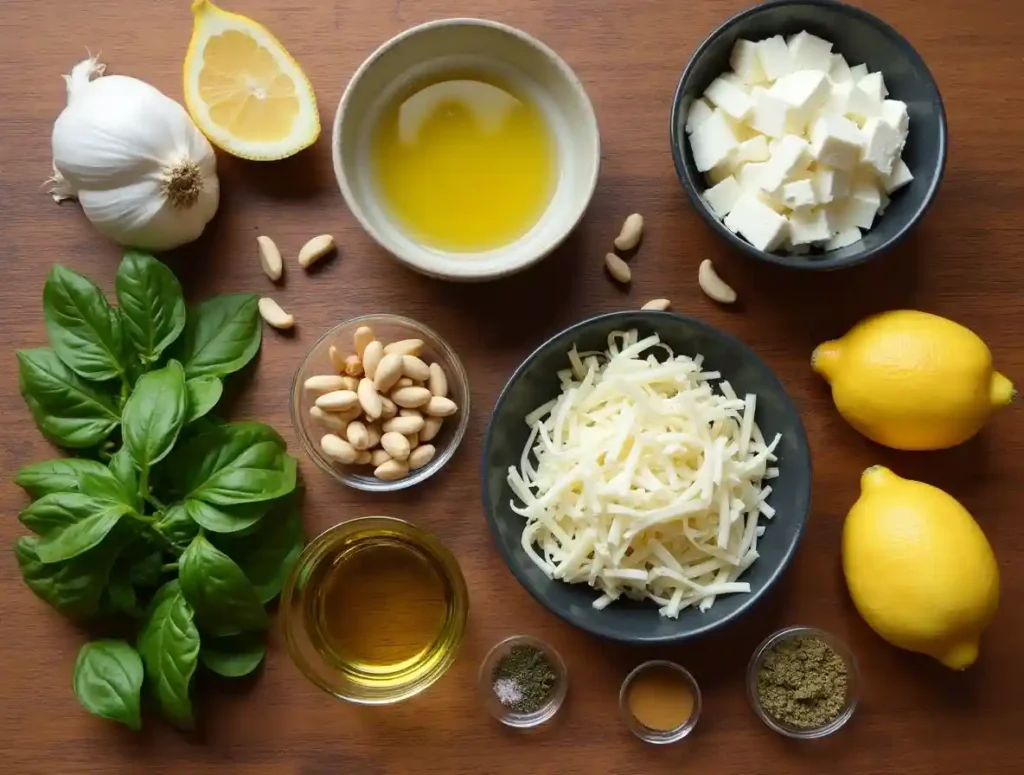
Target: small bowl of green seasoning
522, 682
803, 683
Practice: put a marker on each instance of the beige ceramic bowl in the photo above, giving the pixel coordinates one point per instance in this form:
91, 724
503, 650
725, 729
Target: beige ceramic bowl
486, 46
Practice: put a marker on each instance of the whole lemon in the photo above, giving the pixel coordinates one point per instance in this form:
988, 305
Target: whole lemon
912, 380
919, 568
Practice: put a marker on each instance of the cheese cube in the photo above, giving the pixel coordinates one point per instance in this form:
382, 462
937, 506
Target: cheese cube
810, 52
858, 71
749, 176
874, 84
791, 156
899, 177
843, 238
699, 112
895, 114
837, 142
776, 61
882, 146
712, 141
805, 90
770, 115
809, 225
799, 193
754, 149
773, 202
848, 99
830, 184
745, 61
761, 226
722, 197
729, 97
859, 208
839, 70
722, 170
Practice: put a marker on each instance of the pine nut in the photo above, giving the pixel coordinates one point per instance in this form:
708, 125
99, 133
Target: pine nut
338, 449
272, 313
437, 382
315, 249
422, 455
657, 304
369, 399
405, 347
713, 285
396, 445
337, 359
270, 258
410, 413
329, 420
350, 383
374, 433
441, 407
353, 366
358, 436
388, 372
363, 458
337, 400
379, 457
324, 383
411, 397
390, 410
414, 368
371, 358
413, 439
404, 425
618, 268
362, 337
392, 470
629, 235
431, 427
404, 382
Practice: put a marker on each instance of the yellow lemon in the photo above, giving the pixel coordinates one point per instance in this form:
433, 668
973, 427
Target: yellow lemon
919, 568
243, 90
911, 380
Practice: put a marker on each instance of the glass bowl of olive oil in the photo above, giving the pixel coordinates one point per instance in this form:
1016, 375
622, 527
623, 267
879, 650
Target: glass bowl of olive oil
375, 610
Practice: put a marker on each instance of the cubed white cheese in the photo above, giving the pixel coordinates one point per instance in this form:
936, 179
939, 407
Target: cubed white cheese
699, 112
799, 193
882, 146
729, 97
839, 70
843, 238
722, 197
859, 208
770, 115
895, 114
899, 177
745, 61
809, 225
773, 202
858, 71
863, 105
712, 141
791, 156
761, 226
830, 184
754, 149
810, 52
874, 84
722, 170
776, 61
749, 176
805, 90
836, 141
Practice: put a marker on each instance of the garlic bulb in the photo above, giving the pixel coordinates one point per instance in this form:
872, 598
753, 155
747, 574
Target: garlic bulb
144, 174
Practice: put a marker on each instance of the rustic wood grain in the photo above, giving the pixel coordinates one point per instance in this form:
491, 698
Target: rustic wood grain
964, 261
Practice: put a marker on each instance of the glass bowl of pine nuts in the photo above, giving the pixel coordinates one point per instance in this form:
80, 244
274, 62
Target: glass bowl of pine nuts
380, 402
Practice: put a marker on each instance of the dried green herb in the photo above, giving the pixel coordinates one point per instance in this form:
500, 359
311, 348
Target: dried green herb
802, 682
523, 679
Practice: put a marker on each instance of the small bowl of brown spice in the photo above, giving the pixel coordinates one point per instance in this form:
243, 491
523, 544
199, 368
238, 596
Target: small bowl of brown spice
803, 683
660, 702
522, 682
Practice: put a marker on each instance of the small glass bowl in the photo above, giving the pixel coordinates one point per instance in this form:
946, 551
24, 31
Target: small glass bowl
852, 684
659, 736
387, 328
505, 715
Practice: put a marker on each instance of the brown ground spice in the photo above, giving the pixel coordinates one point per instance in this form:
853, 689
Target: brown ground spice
802, 682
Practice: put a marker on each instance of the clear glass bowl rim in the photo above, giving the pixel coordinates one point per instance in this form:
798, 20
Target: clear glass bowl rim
511, 718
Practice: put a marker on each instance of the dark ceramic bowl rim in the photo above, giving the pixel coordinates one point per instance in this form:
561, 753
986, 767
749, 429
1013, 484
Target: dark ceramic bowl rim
749, 600
820, 264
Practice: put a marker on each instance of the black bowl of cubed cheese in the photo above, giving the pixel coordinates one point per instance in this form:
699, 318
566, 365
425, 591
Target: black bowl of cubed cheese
809, 134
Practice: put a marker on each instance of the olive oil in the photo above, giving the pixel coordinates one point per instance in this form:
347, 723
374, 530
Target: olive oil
464, 162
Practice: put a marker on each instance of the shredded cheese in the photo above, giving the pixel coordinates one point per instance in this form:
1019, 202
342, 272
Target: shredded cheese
643, 481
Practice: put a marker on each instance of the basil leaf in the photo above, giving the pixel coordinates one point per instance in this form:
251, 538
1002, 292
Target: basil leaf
176, 525
73, 587
221, 336
169, 645
84, 330
224, 600
268, 555
152, 306
66, 409
231, 464
108, 681
83, 535
61, 475
154, 414
203, 395
225, 519
235, 656
123, 469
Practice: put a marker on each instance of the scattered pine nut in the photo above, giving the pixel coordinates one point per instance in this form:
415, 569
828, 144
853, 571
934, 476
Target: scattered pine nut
337, 401
392, 470
372, 355
441, 407
389, 370
713, 285
270, 258
618, 268
369, 399
396, 445
324, 383
437, 382
629, 235
411, 397
414, 368
315, 249
422, 455
404, 425
338, 449
272, 313
657, 304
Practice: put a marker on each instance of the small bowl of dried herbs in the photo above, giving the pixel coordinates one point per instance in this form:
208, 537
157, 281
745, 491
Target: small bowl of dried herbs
522, 682
803, 683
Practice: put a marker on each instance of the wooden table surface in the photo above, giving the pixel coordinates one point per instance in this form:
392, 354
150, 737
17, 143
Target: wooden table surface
964, 261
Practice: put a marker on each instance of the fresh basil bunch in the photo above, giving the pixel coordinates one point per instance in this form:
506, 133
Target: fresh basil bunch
184, 524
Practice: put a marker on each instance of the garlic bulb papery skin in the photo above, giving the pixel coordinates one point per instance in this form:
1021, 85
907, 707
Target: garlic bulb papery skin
143, 173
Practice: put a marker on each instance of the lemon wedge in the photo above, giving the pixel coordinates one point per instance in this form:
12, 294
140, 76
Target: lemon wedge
244, 90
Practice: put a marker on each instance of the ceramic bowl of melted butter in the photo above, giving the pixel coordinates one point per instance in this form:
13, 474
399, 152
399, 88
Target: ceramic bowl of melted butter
466, 148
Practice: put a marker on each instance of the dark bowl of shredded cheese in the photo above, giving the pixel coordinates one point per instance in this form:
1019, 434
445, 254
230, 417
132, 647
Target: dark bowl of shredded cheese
803, 683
